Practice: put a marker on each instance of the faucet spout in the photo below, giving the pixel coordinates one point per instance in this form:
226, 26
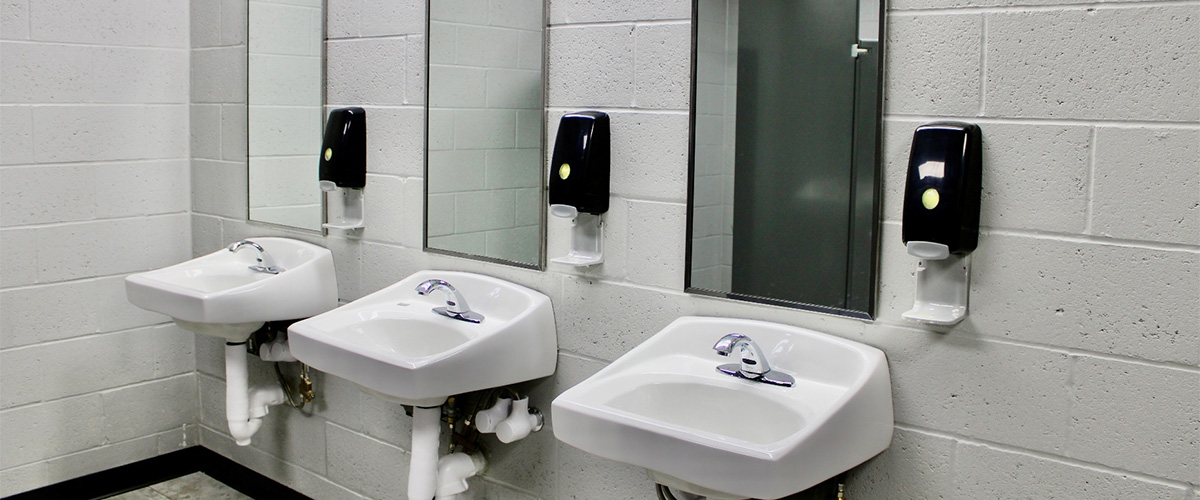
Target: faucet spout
456, 305
753, 365
265, 264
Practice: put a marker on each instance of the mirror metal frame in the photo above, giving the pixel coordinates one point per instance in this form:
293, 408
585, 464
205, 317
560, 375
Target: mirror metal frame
863, 258
540, 265
323, 231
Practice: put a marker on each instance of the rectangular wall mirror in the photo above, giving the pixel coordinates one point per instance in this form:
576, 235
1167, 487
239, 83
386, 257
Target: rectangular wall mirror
485, 136
784, 180
285, 99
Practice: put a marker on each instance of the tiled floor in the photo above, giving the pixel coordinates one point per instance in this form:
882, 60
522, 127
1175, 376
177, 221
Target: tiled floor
196, 486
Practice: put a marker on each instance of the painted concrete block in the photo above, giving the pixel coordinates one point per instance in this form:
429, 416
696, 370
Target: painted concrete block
414, 71
993, 391
205, 24
141, 188
916, 466
45, 194
1147, 185
368, 466
146, 409
1136, 417
585, 11
20, 250
139, 75
385, 221
1112, 299
591, 66
49, 312
365, 72
205, 128
657, 242
38, 432
1037, 63
21, 371
662, 66
16, 125
219, 75
135, 23
649, 156
398, 148
234, 133
64, 73
985, 472
224, 185
608, 321
14, 24
933, 65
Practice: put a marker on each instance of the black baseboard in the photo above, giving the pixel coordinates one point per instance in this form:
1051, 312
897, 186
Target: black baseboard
155, 470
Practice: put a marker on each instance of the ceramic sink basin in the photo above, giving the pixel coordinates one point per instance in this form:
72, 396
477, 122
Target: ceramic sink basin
394, 346
664, 406
218, 294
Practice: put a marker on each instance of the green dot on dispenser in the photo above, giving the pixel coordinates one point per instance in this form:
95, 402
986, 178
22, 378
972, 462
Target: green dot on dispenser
930, 198
328, 153
564, 171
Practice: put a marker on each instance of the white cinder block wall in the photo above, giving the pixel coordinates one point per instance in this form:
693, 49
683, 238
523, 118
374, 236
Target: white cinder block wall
1076, 374
93, 186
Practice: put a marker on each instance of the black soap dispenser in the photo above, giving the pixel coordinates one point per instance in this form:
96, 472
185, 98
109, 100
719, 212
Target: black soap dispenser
942, 193
941, 217
343, 172
579, 181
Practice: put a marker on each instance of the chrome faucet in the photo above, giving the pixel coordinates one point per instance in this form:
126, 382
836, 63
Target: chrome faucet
754, 365
265, 263
456, 305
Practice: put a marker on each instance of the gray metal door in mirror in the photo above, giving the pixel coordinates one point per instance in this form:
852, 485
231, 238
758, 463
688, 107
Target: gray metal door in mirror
784, 201
485, 134
285, 95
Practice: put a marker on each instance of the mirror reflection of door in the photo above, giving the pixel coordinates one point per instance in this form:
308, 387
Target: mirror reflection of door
791, 208
775, 151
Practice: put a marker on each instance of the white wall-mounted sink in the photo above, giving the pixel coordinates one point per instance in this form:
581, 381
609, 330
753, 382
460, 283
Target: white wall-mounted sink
664, 406
218, 294
394, 346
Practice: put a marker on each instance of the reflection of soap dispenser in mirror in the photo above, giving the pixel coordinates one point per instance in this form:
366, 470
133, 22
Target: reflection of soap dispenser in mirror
579, 183
941, 217
344, 167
